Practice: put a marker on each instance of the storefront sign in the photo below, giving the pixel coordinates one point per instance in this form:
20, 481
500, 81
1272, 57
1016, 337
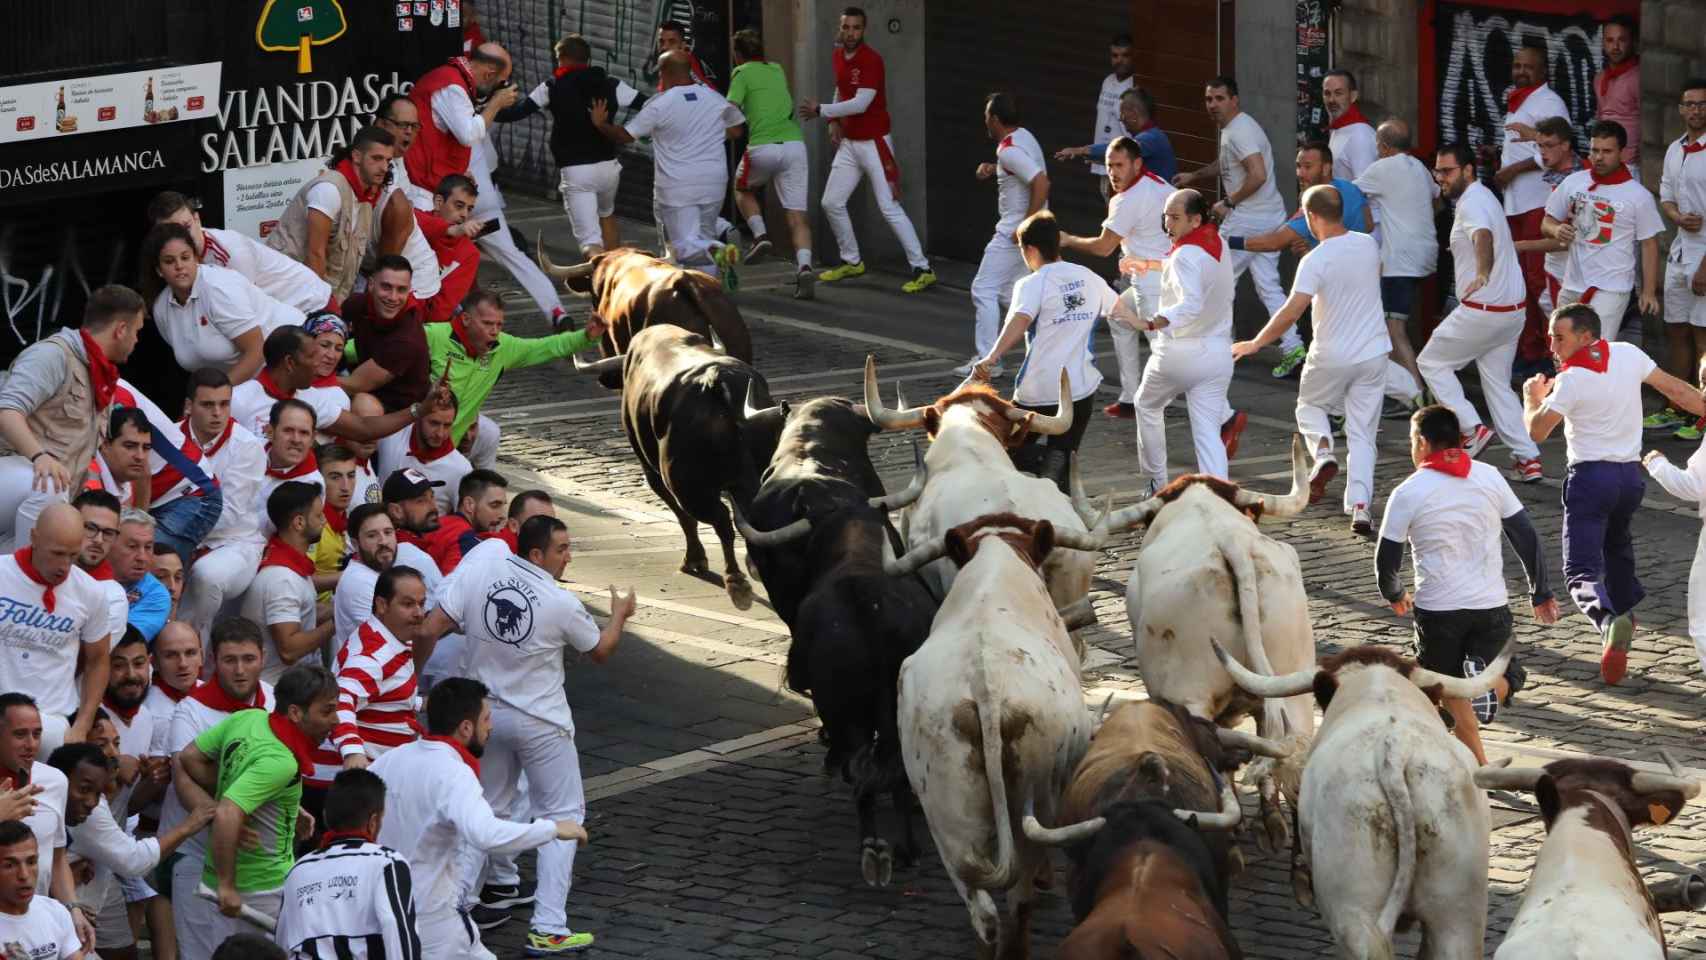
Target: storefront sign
117, 101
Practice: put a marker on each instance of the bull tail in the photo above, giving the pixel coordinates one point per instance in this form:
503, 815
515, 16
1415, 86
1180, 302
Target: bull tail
999, 874
1244, 581
1397, 790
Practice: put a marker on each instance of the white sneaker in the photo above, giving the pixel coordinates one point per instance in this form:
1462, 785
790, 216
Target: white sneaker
1361, 522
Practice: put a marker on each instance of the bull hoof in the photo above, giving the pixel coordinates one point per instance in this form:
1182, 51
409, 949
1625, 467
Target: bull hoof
740, 591
1276, 832
876, 863
1303, 885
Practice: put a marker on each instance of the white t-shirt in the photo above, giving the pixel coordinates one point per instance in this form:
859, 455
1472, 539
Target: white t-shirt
1342, 274
1018, 161
44, 932
1239, 139
1611, 220
1196, 295
1527, 191
1602, 411
328, 404
1455, 528
278, 595
1684, 184
1135, 214
240, 464
394, 454
1478, 209
221, 306
47, 822
251, 405
517, 621
1064, 301
1403, 192
1108, 125
285, 280
38, 649
352, 601
1353, 150
686, 124
325, 198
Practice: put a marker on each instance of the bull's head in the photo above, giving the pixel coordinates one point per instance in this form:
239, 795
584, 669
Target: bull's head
803, 526
1639, 796
1018, 421
577, 279
1304, 681
1263, 504
1227, 817
1031, 539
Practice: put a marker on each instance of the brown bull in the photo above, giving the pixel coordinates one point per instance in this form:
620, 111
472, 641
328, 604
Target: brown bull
633, 290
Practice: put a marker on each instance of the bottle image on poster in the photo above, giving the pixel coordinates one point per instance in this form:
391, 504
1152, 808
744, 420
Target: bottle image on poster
62, 121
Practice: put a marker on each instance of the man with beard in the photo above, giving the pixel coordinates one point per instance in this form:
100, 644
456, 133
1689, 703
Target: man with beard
1611, 227
1517, 174
20, 741
281, 598
1350, 136
99, 510
480, 501
376, 672
427, 448
373, 539
437, 809
126, 709
329, 223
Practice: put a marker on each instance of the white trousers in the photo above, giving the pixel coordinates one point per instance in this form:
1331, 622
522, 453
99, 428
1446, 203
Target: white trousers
1264, 273
20, 502
781, 165
500, 246
692, 230
1610, 307
1487, 340
992, 289
1201, 369
201, 928
1399, 383
589, 195
1358, 386
546, 752
448, 934
1681, 305
856, 160
218, 578
1128, 340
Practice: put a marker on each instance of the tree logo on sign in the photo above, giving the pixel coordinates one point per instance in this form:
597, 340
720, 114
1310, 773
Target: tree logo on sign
298, 26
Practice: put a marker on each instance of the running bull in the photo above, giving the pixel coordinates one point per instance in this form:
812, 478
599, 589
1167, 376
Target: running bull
1390, 819
633, 290
822, 564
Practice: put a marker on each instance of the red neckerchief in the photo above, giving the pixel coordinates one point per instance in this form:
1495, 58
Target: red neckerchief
1513, 101
1151, 174
128, 716
1453, 462
337, 519
281, 554
1596, 356
194, 445
1620, 175
23, 556
292, 736
423, 454
1695, 147
1613, 72
307, 466
271, 386
333, 836
461, 331
103, 373
472, 761
1350, 116
172, 693
563, 71
329, 380
17, 779
1204, 236
506, 535
410, 537
102, 572
210, 694
362, 194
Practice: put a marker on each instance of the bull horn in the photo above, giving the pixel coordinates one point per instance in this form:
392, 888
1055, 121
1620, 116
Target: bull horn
1227, 818
1053, 426
1292, 503
900, 397
904, 418
1260, 746
1272, 688
1643, 782
916, 558
1136, 515
1499, 777
1460, 688
575, 272
748, 411
1081, 503
1062, 836
914, 489
600, 367
1102, 712
771, 538
1080, 540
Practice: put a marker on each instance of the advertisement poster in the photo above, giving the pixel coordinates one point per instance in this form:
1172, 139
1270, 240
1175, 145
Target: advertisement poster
116, 101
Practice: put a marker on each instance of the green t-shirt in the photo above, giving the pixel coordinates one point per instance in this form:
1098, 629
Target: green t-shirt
760, 90
259, 774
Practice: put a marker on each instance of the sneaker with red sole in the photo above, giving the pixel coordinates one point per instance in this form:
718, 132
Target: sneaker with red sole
1121, 411
1614, 657
1232, 430
1477, 440
1528, 471
1323, 474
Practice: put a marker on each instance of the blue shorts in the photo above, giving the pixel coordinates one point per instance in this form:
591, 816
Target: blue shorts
1398, 295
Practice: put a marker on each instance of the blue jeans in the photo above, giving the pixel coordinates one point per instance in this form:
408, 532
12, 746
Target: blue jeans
1600, 500
185, 522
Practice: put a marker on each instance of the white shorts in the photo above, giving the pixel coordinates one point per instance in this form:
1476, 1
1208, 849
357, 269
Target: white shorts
783, 164
1609, 305
1681, 305
589, 195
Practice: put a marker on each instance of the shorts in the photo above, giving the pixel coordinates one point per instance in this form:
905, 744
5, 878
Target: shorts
1398, 295
589, 195
782, 164
1680, 303
1444, 638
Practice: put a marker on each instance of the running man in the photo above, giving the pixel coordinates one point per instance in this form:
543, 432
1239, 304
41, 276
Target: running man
775, 154
1021, 178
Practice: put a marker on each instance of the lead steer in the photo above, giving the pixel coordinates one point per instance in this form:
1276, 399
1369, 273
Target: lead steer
633, 290
991, 720
852, 624
1393, 825
1585, 897
971, 475
684, 409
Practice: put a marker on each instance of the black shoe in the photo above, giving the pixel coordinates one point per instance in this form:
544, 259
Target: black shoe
487, 918
506, 897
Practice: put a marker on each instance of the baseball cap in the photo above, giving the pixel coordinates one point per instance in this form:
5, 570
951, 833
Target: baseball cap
407, 484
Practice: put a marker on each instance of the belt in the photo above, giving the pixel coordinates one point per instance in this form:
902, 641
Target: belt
1497, 308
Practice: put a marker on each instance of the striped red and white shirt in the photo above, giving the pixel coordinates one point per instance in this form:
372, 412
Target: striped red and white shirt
376, 692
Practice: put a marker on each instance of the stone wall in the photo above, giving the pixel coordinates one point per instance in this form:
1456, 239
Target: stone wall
1673, 49
1376, 40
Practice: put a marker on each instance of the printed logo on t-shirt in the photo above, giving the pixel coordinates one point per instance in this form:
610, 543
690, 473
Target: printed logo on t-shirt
26, 626
509, 611
13, 950
690, 96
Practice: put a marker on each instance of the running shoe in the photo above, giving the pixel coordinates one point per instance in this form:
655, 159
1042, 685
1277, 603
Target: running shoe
1666, 419
805, 284
506, 896
488, 918
760, 247
1486, 706
727, 257
1692, 431
844, 272
1232, 431
1121, 411
922, 279
1528, 471
551, 944
1394, 409
1614, 657
1290, 362
1325, 470
1476, 441
1361, 523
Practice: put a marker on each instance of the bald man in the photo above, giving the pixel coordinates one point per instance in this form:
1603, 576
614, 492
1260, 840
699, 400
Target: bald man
1402, 189
450, 126
56, 614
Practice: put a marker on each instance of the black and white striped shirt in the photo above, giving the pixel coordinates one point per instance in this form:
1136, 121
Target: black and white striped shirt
349, 901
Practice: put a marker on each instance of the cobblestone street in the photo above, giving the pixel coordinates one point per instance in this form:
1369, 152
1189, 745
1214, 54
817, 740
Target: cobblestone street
715, 832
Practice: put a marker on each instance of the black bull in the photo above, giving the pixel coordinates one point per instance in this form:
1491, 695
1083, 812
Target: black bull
818, 528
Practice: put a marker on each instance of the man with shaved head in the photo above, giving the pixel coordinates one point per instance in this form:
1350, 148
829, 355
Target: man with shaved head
450, 126
1518, 176
57, 613
1402, 191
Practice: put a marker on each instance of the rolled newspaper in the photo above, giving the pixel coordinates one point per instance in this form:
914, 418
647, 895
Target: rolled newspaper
259, 919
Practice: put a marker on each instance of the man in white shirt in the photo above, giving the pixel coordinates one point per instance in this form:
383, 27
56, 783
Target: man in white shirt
1249, 204
688, 124
1489, 317
1021, 189
280, 277
1682, 199
38, 927
58, 618
374, 549
1402, 191
1517, 174
1339, 282
238, 459
20, 767
437, 810
426, 445
518, 622
100, 512
1604, 215
281, 597
1349, 134
1597, 397
291, 357
1191, 331
1108, 125
176, 668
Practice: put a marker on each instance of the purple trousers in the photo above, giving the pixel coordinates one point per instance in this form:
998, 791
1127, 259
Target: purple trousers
1600, 500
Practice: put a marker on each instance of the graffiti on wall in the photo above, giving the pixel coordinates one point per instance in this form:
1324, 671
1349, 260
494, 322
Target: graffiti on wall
42, 285
1476, 45
1312, 63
